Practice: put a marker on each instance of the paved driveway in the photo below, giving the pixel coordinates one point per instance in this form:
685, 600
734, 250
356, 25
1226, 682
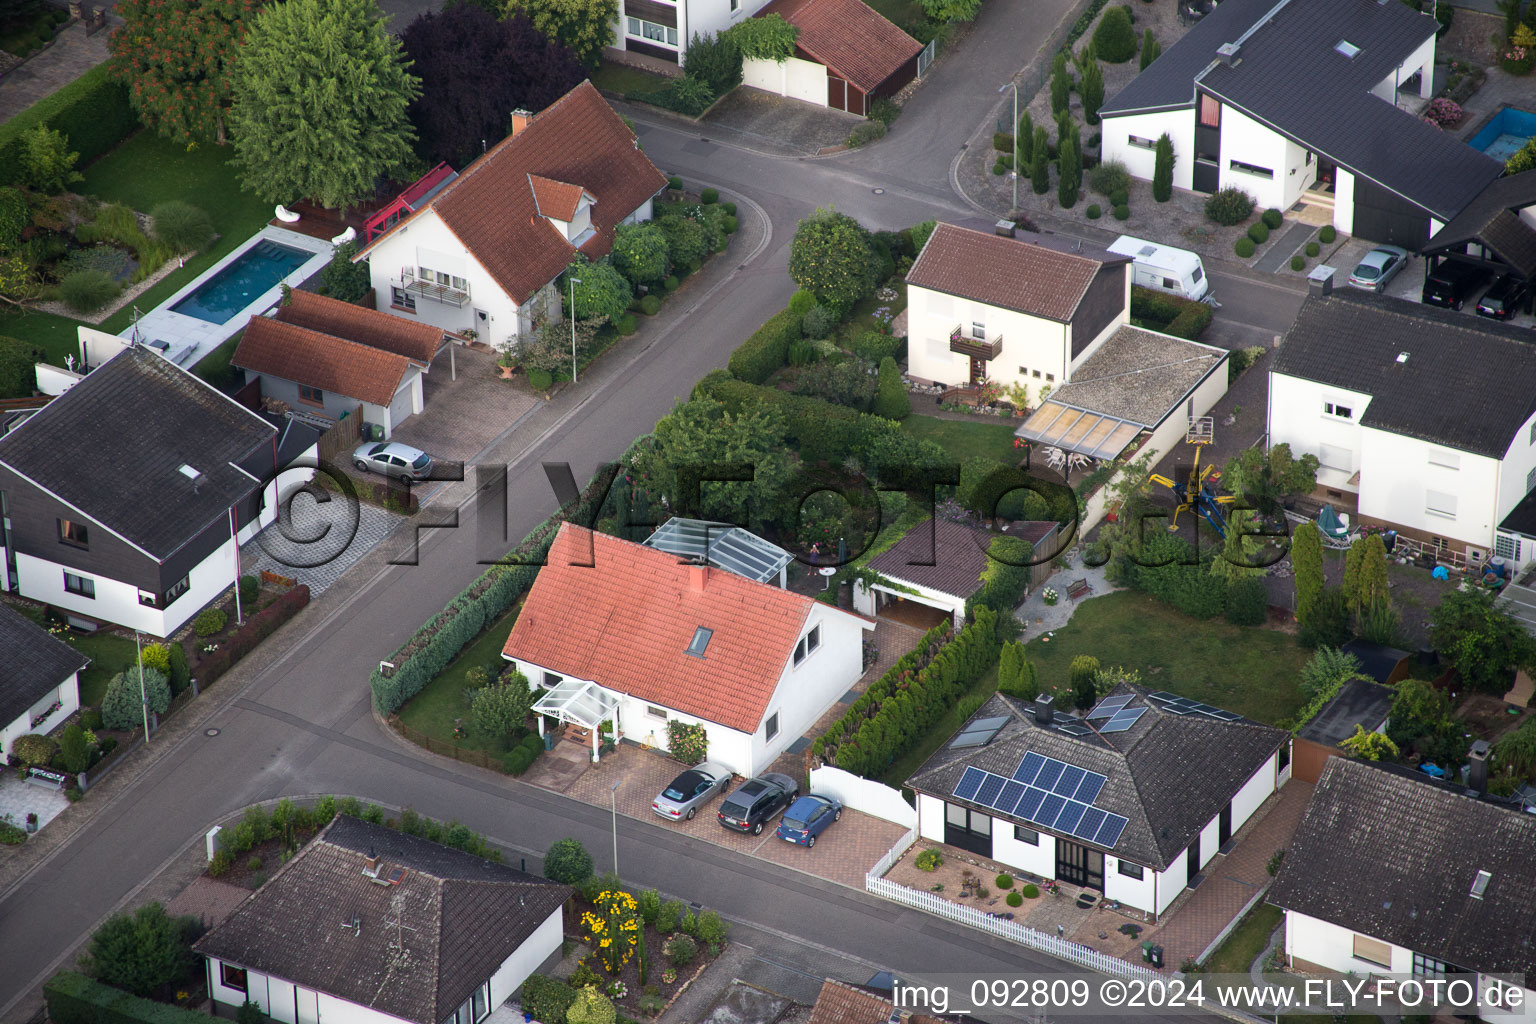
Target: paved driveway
462, 417
760, 120
842, 853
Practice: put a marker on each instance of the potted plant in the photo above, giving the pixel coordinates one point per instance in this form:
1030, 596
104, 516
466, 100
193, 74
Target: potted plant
31, 821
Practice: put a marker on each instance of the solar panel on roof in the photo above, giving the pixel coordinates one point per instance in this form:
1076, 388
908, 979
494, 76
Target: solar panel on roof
1029, 803
1029, 768
1227, 716
1088, 790
1050, 809
990, 787
1009, 797
968, 739
971, 781
1049, 773
1088, 827
1109, 832
1123, 720
1109, 705
1071, 775
1163, 695
1074, 729
1071, 814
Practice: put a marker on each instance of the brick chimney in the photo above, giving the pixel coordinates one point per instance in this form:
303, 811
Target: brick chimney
520, 119
697, 576
371, 863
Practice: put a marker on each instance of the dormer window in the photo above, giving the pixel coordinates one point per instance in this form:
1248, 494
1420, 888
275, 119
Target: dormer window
700, 641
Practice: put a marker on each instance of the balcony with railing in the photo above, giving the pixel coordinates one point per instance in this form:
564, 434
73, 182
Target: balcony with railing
976, 348
423, 288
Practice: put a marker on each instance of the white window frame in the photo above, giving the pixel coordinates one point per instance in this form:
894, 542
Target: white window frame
771, 728
1439, 503
1141, 143
1339, 411
86, 587
401, 299
652, 711
978, 330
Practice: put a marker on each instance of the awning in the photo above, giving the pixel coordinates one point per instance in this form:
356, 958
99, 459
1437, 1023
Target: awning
585, 704
1079, 430
723, 546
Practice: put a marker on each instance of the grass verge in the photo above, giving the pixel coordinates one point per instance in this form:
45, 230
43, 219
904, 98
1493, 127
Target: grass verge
1241, 948
623, 79
445, 699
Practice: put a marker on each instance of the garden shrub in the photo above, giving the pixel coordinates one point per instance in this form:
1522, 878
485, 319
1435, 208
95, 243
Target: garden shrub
1243, 247
1094, 212
820, 322
518, 761
1013, 899
540, 380
93, 111
250, 589
567, 861
1229, 206
86, 291
73, 998
1191, 322
866, 132
681, 950
157, 657
1247, 601
649, 902
182, 226
1122, 212
674, 183
891, 399
802, 302
1002, 142
256, 629
709, 196
18, 362
33, 750
767, 349
74, 749
1114, 40
626, 325
688, 743
90, 718
1312, 250
1327, 234
929, 860
1110, 178
711, 930
1004, 881
1258, 232
209, 621
1272, 218
1030, 891
1298, 261
875, 346
729, 224
729, 208
123, 705
143, 952
547, 999
650, 305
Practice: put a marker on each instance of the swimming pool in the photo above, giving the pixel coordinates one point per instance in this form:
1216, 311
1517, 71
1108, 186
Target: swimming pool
258, 269
1502, 136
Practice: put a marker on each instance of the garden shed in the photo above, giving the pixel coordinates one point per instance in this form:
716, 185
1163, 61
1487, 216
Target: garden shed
846, 56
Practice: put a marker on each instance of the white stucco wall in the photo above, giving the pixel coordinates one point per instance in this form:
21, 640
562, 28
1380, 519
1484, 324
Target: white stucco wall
1344, 201
1141, 161
1254, 792
1330, 946
1038, 860
1171, 881
861, 794
1132, 892
930, 817
1029, 342
864, 598
707, 17
798, 79
1397, 473
426, 241
526, 959
1172, 431
1247, 140
66, 693
1296, 418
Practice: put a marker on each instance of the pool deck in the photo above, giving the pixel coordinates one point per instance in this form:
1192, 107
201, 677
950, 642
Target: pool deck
188, 339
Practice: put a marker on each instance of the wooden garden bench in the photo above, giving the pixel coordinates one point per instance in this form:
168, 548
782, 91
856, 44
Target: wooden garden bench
1077, 588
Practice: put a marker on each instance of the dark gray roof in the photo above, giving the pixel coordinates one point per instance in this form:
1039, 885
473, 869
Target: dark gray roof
1289, 76
458, 916
946, 556
1388, 854
1522, 518
1168, 775
1514, 192
1468, 382
1502, 232
1358, 702
112, 447
1376, 660
35, 662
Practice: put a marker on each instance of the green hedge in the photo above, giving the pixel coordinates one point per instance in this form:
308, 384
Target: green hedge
900, 707
93, 111
756, 359
546, 998
1180, 317
73, 998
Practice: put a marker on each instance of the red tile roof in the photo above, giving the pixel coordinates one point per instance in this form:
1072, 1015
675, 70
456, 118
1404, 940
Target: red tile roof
295, 353
1005, 272
624, 614
844, 1004
848, 36
557, 199
416, 341
578, 139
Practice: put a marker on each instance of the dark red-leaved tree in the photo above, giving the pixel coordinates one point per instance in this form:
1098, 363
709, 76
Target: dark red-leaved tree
475, 70
175, 57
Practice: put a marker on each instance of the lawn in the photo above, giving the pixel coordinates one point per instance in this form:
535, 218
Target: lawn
1246, 669
143, 172
966, 439
443, 700
109, 655
623, 79
1247, 941
214, 367
908, 14
940, 734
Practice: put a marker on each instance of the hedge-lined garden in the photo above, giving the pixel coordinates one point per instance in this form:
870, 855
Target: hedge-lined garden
92, 112
1170, 314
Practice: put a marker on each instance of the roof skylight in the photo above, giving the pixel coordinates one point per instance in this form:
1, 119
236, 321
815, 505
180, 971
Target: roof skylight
1347, 48
700, 641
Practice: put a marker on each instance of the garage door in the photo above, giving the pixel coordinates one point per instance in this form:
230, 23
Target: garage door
1383, 216
400, 408
837, 92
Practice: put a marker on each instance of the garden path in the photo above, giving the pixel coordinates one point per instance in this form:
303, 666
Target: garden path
72, 54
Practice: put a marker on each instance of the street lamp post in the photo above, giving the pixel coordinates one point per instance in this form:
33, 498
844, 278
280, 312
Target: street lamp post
613, 805
574, 282
143, 696
1015, 134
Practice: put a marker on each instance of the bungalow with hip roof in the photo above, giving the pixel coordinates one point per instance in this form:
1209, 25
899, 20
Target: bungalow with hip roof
628, 634
367, 925
1392, 873
1296, 101
127, 497
39, 678
1131, 800
483, 253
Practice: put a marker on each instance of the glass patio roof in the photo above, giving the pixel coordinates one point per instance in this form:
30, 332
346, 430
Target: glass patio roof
723, 546
586, 704
1079, 430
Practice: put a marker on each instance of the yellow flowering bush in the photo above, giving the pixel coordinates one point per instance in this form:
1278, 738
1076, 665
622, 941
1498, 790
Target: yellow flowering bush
612, 929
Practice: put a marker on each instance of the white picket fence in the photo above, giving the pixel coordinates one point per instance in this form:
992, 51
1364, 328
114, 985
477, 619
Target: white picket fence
1003, 929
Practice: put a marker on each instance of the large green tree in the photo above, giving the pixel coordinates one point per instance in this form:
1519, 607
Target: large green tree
176, 57
601, 291
142, 953
640, 252
697, 440
585, 26
321, 93
1307, 562
831, 257
1483, 641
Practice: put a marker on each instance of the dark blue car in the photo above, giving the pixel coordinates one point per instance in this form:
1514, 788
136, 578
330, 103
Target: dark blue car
807, 818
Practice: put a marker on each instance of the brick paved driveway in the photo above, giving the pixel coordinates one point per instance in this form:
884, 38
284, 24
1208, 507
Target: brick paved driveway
841, 854
461, 417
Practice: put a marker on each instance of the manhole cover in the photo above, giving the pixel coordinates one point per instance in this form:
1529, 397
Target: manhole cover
878, 191
210, 732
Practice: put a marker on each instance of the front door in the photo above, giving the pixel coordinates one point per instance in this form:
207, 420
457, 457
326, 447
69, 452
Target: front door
1079, 865
1224, 825
978, 371
1192, 868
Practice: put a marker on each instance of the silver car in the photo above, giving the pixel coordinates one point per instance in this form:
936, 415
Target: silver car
400, 461
691, 790
1378, 266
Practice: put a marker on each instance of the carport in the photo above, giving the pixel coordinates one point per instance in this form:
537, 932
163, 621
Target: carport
846, 55
1495, 232
577, 703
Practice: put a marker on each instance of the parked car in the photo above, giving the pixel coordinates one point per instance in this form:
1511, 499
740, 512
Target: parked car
392, 459
1508, 296
1379, 266
807, 818
691, 790
753, 802
1452, 283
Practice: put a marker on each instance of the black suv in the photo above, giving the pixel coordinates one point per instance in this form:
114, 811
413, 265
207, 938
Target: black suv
1508, 296
1452, 283
757, 800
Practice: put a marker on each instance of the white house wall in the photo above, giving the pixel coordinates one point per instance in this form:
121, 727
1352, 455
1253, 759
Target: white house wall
1344, 201
1397, 473
1173, 430
1254, 792
863, 794
1030, 342
1421, 60
1178, 125
1327, 945
798, 79
426, 237
930, 817
1247, 140
1296, 418
1519, 460
806, 691
1132, 892
526, 958
864, 598
1171, 881
1038, 860
68, 696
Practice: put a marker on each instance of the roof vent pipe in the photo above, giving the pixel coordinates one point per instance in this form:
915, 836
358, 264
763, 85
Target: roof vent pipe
1227, 53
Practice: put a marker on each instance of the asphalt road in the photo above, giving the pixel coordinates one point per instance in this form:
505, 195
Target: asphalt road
302, 724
